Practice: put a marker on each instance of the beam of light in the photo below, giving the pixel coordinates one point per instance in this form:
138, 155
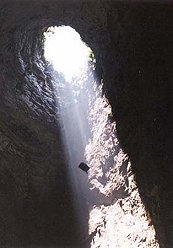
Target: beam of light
69, 56
89, 136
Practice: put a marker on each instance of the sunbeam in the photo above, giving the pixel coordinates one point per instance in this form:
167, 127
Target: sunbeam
74, 82
99, 172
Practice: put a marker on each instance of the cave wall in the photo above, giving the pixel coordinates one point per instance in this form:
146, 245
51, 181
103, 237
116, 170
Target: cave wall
132, 43
144, 106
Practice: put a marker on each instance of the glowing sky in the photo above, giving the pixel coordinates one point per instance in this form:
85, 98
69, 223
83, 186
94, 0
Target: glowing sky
66, 51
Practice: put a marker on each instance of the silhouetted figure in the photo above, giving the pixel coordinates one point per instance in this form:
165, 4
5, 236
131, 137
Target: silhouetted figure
84, 167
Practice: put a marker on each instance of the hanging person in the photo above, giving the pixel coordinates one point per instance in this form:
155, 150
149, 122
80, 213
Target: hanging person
84, 167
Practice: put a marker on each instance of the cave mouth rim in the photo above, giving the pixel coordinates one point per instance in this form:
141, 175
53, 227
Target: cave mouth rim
74, 53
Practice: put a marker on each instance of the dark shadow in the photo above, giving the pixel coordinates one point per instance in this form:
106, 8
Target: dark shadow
40, 219
142, 103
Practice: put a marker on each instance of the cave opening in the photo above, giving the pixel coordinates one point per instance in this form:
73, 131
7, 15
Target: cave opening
65, 50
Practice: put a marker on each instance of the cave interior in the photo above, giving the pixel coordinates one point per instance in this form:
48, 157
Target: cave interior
133, 45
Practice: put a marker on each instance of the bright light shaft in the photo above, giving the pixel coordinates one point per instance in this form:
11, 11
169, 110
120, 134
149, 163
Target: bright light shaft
65, 51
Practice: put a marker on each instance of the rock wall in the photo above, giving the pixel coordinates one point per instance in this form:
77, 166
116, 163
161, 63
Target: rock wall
117, 216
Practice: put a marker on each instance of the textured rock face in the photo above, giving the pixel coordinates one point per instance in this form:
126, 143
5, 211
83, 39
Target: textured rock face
117, 215
133, 47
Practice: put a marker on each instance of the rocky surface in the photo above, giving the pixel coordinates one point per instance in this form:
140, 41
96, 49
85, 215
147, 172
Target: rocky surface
117, 215
132, 43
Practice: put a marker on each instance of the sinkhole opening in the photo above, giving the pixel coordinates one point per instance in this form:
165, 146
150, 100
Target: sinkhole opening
66, 52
